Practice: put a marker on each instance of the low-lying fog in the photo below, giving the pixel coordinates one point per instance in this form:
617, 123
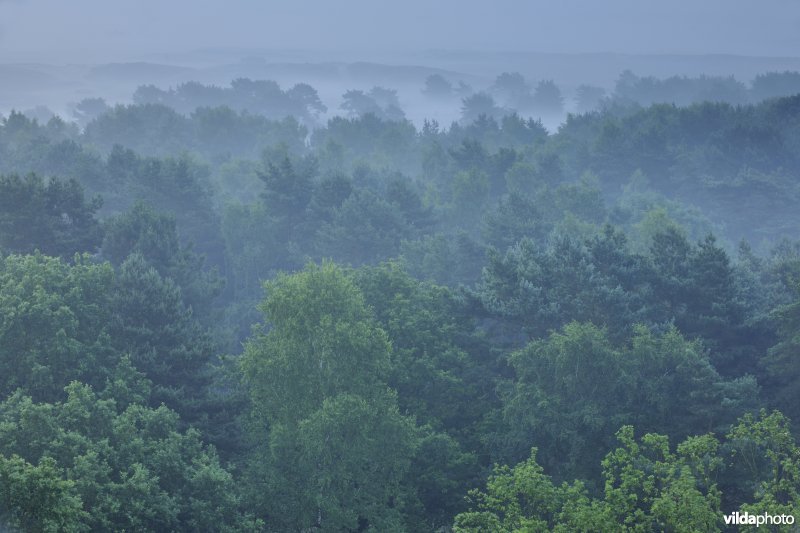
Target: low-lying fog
54, 54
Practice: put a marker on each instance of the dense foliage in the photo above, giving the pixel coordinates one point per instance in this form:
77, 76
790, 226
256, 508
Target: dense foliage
218, 312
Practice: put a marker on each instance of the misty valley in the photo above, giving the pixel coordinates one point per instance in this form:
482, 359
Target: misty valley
413, 300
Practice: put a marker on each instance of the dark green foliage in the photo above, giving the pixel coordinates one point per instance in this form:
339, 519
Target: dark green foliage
696, 290
448, 260
439, 475
164, 340
287, 191
364, 229
50, 216
781, 360
154, 237
153, 129
522, 131
516, 217
402, 193
435, 377
254, 254
179, 186
573, 389
368, 138
535, 290
732, 161
328, 195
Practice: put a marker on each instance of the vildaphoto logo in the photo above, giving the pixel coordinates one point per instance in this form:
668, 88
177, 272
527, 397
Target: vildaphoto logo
764, 519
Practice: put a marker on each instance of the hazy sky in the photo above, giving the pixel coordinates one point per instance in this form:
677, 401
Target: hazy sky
91, 30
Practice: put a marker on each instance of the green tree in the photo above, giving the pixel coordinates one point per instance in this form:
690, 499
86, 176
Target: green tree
770, 457
695, 287
154, 236
450, 260
441, 378
111, 469
573, 389
322, 342
166, 343
781, 360
530, 290
515, 217
52, 217
54, 324
647, 488
470, 196
287, 192
436, 366
365, 229
37, 499
305, 96
317, 380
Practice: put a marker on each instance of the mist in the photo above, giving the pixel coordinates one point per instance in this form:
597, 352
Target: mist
55, 54
422, 266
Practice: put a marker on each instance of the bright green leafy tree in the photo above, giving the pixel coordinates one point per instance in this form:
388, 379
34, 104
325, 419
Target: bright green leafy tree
337, 447
102, 468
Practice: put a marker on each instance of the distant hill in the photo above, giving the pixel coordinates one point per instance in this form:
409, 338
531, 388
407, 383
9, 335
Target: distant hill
139, 72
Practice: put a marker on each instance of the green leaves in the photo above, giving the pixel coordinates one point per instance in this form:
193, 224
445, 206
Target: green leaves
338, 447
357, 452
575, 387
53, 324
647, 488
322, 342
37, 499
766, 446
102, 468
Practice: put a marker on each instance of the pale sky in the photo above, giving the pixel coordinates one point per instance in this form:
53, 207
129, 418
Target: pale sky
70, 31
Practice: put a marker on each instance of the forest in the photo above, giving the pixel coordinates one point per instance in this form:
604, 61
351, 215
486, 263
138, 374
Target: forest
232, 308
